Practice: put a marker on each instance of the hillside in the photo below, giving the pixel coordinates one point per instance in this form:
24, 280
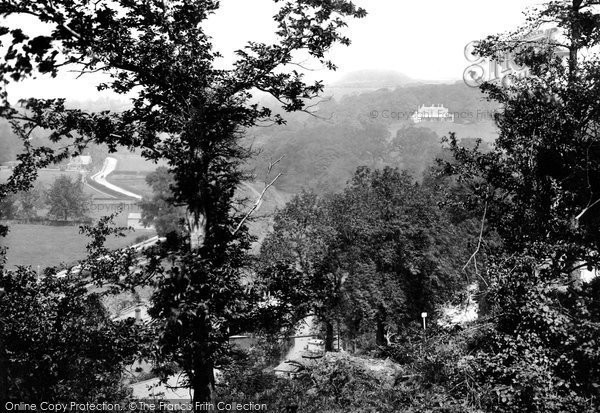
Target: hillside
322, 151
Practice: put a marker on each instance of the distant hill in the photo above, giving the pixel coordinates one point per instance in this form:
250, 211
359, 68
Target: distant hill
372, 79
365, 81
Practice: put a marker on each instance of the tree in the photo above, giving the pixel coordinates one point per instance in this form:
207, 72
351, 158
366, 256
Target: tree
8, 207
66, 198
298, 269
372, 258
416, 148
30, 201
58, 342
187, 112
538, 188
159, 210
61, 342
400, 249
325, 154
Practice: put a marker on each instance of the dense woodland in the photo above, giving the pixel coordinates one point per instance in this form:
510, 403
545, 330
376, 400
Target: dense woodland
334, 140
383, 225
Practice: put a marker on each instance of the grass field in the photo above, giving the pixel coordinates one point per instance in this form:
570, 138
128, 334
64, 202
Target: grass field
46, 246
485, 130
127, 161
133, 183
49, 246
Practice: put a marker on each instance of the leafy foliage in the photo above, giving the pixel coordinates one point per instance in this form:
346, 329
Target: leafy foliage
66, 198
8, 207
59, 343
159, 210
539, 186
31, 201
185, 111
373, 257
340, 381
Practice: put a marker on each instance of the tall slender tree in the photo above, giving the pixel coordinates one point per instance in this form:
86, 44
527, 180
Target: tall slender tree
186, 111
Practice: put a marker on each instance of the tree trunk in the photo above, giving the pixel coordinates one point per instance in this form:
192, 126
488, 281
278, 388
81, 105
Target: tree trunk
3, 375
575, 39
203, 383
197, 226
380, 335
328, 336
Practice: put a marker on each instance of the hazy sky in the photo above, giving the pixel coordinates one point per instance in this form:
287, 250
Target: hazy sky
424, 40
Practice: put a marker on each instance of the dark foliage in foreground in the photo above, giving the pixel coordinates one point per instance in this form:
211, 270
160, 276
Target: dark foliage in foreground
61, 344
185, 111
539, 188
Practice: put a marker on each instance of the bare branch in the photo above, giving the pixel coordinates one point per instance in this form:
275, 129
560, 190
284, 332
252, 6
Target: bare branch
259, 200
586, 209
272, 164
474, 255
303, 67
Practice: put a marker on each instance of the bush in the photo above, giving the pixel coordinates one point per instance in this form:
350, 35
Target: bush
441, 367
339, 383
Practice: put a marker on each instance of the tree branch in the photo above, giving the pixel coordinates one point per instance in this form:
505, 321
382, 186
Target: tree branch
473, 256
261, 195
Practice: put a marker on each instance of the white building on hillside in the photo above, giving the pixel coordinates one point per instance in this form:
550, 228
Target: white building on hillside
80, 163
432, 114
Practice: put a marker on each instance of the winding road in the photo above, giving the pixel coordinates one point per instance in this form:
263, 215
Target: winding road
110, 164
